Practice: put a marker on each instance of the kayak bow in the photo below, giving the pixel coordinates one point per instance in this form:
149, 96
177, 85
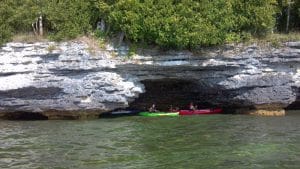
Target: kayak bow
157, 114
200, 112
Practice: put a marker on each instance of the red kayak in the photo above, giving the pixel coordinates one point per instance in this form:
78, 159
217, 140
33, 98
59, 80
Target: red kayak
199, 112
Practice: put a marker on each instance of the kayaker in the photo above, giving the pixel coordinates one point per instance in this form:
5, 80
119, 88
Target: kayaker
152, 108
191, 106
173, 109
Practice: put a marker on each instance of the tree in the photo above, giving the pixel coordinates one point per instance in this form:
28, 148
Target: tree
167, 23
288, 15
69, 18
189, 23
5, 29
288, 4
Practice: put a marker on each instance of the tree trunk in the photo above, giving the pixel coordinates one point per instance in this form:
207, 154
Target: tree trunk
34, 29
41, 32
288, 13
121, 38
101, 25
108, 28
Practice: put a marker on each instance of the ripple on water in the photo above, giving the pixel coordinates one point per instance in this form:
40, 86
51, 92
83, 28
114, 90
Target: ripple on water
225, 141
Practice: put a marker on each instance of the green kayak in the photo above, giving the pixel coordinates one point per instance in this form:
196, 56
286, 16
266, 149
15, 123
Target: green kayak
154, 114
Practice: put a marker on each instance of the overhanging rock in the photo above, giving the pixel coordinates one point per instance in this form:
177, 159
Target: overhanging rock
53, 78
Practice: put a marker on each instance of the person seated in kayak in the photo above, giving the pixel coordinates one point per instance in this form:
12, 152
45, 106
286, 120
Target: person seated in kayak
153, 108
173, 109
192, 107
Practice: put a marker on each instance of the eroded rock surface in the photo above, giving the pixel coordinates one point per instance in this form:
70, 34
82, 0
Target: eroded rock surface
34, 78
63, 80
232, 77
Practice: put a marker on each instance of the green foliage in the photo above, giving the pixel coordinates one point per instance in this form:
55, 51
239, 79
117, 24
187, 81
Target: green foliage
132, 50
296, 9
100, 38
99, 34
166, 23
63, 19
5, 33
21, 14
189, 23
69, 18
282, 9
255, 16
5, 29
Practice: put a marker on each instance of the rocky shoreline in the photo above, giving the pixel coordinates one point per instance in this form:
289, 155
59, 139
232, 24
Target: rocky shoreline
68, 81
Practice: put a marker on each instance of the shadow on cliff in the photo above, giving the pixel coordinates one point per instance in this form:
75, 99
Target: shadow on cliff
296, 104
24, 116
176, 92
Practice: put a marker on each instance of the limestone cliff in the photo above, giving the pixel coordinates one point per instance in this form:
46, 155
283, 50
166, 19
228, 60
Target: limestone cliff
61, 80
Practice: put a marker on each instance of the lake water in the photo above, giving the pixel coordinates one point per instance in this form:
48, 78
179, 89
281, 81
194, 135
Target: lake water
213, 141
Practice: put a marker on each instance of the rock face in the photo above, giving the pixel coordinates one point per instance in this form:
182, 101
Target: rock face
232, 77
65, 81
61, 82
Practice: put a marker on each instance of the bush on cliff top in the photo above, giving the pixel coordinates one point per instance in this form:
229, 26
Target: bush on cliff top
167, 23
189, 23
69, 18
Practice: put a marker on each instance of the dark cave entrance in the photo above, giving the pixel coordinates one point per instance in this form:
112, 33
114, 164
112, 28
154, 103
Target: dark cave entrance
25, 116
176, 92
296, 104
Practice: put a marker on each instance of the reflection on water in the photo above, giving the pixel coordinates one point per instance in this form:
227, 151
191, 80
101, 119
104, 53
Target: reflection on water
217, 141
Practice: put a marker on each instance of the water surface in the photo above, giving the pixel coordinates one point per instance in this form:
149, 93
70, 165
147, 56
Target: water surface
213, 141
